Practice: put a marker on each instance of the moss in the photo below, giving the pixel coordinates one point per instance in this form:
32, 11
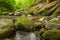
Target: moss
25, 21
41, 31
52, 34
6, 26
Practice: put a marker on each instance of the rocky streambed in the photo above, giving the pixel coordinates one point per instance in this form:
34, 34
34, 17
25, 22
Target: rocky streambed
29, 27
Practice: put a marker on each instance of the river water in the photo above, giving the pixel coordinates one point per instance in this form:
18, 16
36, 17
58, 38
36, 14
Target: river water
25, 36
22, 35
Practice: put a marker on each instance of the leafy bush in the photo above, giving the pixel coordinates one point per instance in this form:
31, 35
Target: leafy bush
7, 4
14, 4
26, 3
52, 34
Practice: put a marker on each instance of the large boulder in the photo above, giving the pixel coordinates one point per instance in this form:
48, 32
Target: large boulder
23, 22
52, 26
51, 34
53, 23
6, 27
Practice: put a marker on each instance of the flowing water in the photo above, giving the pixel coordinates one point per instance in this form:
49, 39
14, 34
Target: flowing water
25, 36
21, 35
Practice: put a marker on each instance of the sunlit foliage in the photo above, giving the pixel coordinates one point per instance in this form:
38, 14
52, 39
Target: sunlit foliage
14, 4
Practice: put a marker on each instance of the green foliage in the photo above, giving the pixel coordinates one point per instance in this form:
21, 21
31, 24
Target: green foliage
14, 4
52, 34
8, 5
26, 3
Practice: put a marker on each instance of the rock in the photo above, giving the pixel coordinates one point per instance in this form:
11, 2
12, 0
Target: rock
23, 22
45, 19
6, 27
41, 19
54, 19
37, 26
10, 13
52, 26
51, 34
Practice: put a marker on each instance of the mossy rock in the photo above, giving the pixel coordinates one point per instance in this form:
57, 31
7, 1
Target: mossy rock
23, 22
6, 27
52, 25
51, 22
41, 31
52, 34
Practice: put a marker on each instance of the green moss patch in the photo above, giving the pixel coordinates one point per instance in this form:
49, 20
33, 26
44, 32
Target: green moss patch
52, 34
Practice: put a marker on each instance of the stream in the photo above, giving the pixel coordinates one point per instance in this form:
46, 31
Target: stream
22, 35
25, 36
